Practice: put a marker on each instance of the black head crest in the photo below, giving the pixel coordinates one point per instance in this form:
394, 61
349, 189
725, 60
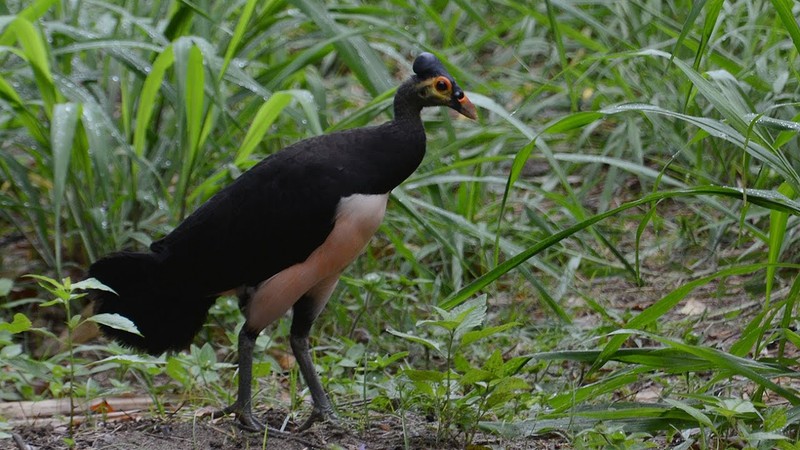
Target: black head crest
427, 65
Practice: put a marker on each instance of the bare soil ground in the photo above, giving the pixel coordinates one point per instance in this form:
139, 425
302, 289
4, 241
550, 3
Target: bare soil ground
148, 433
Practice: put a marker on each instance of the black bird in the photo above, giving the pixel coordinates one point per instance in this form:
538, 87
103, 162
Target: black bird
281, 234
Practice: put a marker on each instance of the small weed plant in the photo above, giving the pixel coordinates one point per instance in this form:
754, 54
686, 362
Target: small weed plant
461, 394
63, 380
631, 159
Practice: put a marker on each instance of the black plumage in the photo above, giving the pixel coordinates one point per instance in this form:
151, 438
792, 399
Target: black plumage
270, 219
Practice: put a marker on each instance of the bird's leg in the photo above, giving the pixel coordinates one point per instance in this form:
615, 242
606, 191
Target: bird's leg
242, 406
304, 315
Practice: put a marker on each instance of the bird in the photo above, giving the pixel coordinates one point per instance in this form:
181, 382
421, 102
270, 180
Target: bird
280, 235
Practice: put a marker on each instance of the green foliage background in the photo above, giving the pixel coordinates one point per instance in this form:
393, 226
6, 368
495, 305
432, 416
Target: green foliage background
616, 140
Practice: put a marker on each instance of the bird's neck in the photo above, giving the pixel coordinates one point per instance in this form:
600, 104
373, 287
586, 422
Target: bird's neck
399, 144
406, 129
407, 106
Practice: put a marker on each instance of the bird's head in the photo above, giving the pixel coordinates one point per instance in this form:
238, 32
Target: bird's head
437, 88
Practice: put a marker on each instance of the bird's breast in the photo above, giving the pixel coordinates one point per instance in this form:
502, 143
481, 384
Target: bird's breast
356, 221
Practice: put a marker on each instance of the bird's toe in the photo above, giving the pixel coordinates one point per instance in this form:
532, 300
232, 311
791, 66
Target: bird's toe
248, 422
320, 415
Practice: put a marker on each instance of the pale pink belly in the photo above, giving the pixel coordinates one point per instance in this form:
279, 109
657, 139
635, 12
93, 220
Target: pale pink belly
357, 219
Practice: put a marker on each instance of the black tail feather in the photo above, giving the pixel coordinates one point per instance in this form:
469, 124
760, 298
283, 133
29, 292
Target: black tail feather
167, 317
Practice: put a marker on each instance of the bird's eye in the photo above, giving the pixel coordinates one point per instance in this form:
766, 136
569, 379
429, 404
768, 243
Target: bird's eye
442, 84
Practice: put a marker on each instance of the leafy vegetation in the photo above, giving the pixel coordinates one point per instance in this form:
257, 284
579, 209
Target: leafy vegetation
631, 159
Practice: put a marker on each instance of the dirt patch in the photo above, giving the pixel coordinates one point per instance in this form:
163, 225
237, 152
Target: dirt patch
716, 311
178, 433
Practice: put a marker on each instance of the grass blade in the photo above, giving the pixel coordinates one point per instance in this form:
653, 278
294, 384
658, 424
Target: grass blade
784, 10
661, 307
35, 52
238, 34
265, 117
148, 98
354, 51
766, 199
65, 120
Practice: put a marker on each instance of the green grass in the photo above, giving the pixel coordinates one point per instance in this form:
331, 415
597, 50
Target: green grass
638, 143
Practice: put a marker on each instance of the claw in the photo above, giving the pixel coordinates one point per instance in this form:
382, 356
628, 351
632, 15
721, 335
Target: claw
244, 416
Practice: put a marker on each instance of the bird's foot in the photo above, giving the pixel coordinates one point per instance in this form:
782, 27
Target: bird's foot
319, 415
244, 415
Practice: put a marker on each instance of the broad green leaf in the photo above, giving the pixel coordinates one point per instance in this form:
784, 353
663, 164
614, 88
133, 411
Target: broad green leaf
130, 360
473, 376
760, 436
494, 364
499, 398
175, 369
19, 324
263, 369
419, 340
514, 365
471, 314
116, 321
5, 286
447, 325
47, 282
74, 321
381, 362
91, 283
732, 407
205, 355
511, 384
433, 376
475, 335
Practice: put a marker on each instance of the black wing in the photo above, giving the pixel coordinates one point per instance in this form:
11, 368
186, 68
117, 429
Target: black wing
271, 217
